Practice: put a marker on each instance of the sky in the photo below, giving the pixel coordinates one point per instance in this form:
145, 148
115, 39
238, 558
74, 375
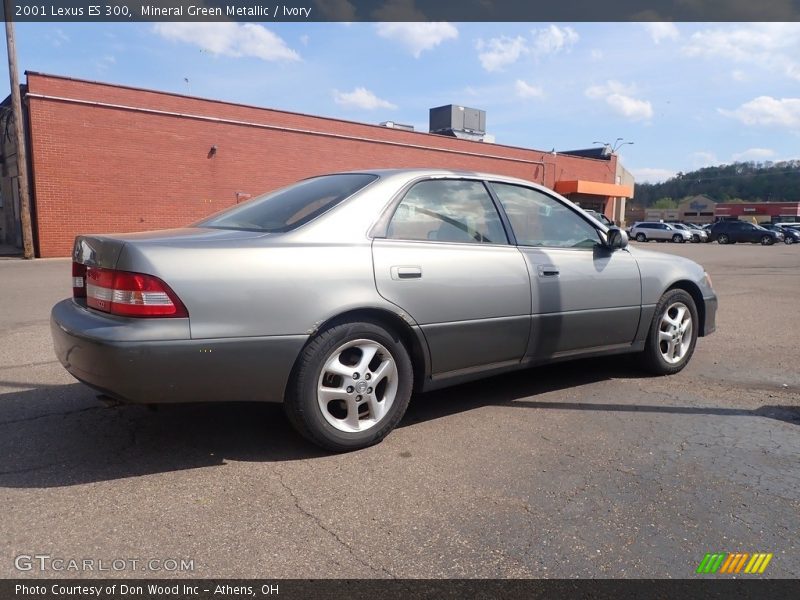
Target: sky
687, 95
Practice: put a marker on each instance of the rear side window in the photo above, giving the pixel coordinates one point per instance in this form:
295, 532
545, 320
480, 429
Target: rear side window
291, 207
446, 210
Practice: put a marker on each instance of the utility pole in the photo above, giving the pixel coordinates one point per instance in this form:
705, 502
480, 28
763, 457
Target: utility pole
19, 134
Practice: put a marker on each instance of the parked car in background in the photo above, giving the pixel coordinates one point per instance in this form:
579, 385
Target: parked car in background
791, 225
704, 237
698, 235
790, 235
731, 232
341, 294
645, 231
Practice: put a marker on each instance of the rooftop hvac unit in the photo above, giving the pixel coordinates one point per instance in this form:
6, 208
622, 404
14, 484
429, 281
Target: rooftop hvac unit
458, 121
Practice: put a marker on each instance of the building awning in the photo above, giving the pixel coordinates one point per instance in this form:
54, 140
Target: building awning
594, 188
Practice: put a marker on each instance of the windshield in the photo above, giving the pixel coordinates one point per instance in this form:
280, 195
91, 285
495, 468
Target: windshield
292, 206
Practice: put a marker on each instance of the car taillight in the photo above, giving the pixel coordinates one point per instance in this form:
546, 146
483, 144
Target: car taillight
78, 280
131, 294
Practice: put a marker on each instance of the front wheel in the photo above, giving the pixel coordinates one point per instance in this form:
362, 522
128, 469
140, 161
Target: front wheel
723, 238
350, 387
766, 240
788, 241
678, 239
673, 334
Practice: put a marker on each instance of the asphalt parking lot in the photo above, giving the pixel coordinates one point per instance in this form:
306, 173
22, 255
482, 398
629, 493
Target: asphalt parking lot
584, 469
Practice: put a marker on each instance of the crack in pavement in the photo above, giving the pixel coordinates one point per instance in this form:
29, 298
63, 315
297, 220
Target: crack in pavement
48, 415
330, 532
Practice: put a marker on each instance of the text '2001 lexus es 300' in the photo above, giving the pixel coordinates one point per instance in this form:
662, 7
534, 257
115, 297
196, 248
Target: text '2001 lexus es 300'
341, 294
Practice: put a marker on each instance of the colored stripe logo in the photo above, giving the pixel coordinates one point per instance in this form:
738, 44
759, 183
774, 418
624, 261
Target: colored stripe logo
732, 563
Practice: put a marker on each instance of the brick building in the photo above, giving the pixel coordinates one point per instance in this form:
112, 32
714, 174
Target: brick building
111, 158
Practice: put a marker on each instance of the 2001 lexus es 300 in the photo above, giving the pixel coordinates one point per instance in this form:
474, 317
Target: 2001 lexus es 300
341, 294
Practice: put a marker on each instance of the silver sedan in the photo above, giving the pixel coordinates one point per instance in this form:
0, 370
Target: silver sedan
341, 295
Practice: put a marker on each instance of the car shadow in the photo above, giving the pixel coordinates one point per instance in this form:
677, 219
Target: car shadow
61, 435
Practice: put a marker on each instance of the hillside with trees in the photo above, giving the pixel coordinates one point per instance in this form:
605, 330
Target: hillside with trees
744, 182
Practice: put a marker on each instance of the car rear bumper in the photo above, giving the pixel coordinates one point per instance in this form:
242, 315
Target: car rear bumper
133, 365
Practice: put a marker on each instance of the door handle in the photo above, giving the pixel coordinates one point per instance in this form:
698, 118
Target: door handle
406, 272
548, 271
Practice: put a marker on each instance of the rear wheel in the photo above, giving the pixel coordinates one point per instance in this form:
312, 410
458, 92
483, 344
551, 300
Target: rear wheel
788, 240
350, 387
767, 240
673, 334
723, 238
640, 237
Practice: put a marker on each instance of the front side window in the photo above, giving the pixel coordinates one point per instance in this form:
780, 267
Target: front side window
540, 220
445, 210
291, 207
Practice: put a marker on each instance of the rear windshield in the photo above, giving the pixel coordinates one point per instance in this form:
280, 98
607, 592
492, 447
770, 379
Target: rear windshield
292, 206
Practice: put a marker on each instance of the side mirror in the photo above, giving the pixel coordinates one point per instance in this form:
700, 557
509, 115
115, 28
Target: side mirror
616, 238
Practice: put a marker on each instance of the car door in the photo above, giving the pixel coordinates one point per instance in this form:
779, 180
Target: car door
584, 296
738, 231
445, 260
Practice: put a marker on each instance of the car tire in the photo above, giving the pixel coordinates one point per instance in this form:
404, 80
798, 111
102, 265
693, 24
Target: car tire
788, 241
325, 401
672, 337
767, 240
678, 239
723, 238
640, 237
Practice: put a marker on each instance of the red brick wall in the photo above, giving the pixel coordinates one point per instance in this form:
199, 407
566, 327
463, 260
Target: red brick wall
100, 170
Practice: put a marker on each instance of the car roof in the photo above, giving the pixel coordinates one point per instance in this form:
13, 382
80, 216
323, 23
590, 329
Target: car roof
431, 172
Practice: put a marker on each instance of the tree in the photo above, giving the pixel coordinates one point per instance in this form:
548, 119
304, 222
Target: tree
665, 202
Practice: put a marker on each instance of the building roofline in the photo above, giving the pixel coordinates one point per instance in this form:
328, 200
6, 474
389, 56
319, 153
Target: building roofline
544, 153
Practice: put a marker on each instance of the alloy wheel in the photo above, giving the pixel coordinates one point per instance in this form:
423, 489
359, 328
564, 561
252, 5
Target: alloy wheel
357, 385
675, 332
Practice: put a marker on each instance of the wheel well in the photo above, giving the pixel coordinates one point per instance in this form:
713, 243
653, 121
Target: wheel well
694, 292
394, 323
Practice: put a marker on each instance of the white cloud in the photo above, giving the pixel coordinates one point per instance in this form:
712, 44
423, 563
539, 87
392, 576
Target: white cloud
596, 55
553, 39
768, 111
526, 90
739, 75
500, 52
105, 62
418, 37
704, 159
755, 154
619, 98
660, 31
230, 39
361, 98
58, 38
652, 175
774, 47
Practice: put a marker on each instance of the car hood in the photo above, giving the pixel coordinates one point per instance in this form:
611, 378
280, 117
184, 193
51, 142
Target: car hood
643, 256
